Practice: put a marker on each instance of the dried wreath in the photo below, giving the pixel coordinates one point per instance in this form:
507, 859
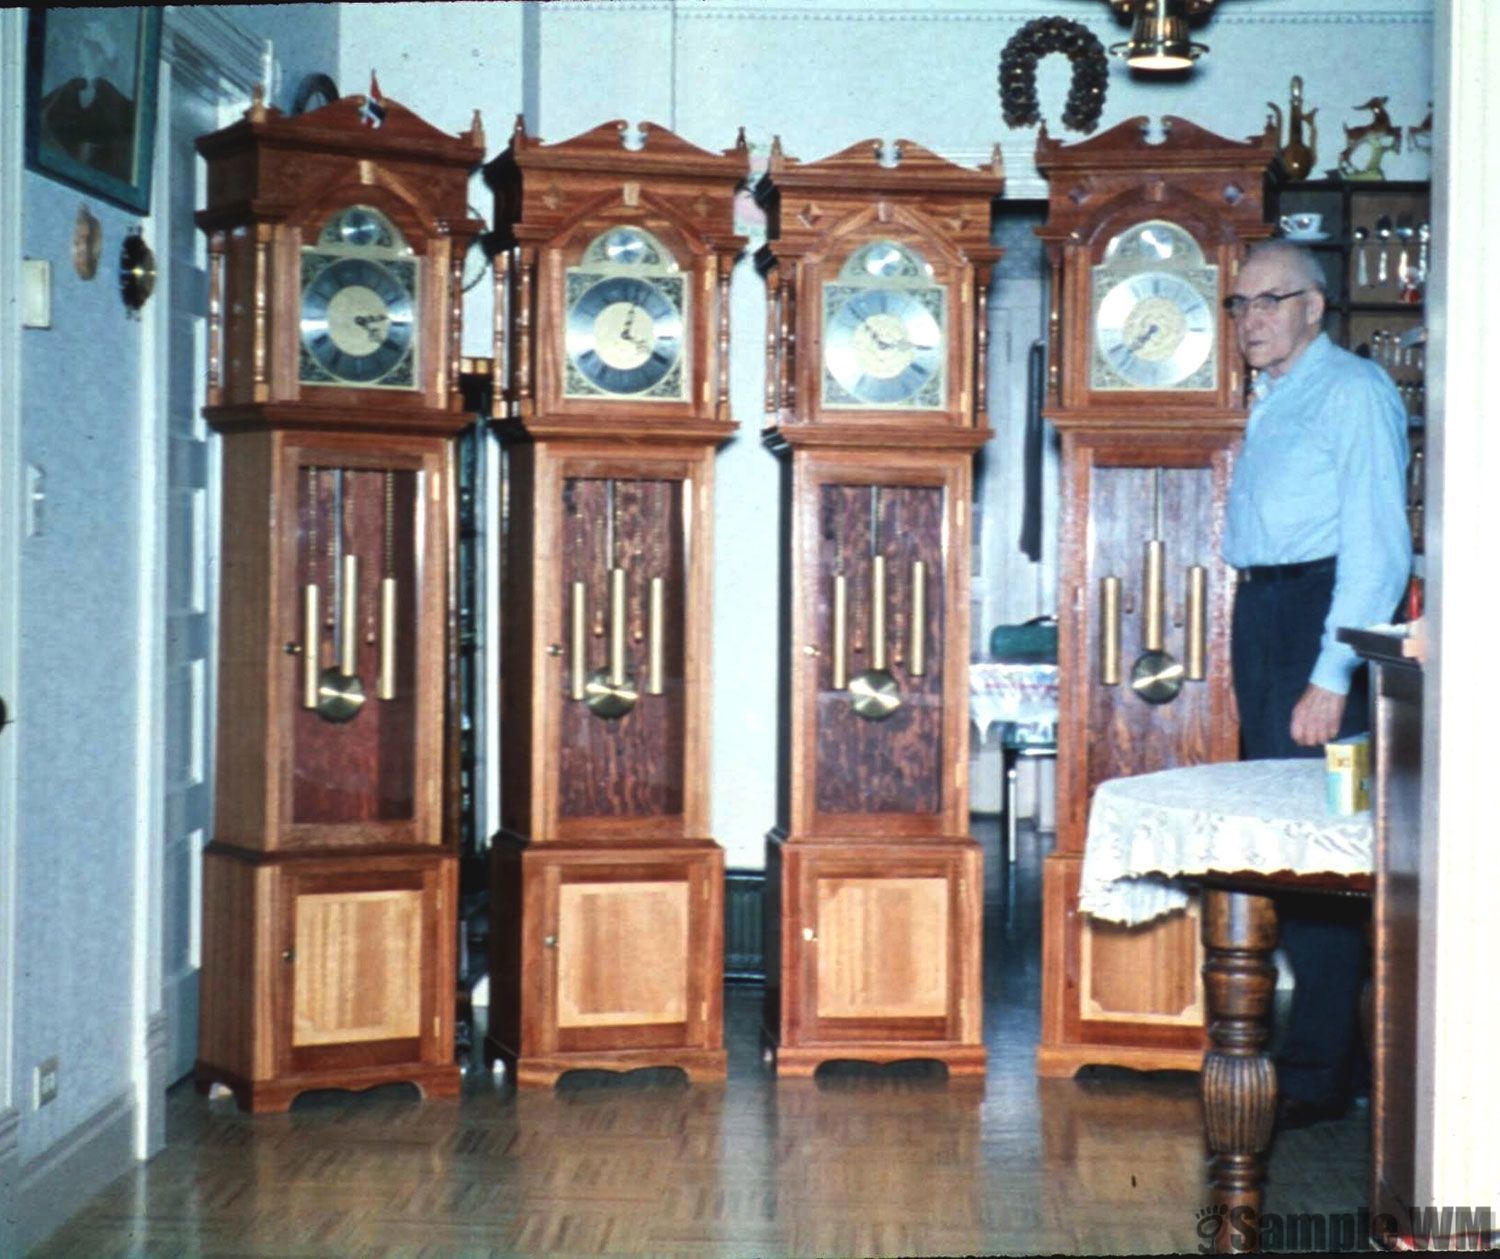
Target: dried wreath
1029, 45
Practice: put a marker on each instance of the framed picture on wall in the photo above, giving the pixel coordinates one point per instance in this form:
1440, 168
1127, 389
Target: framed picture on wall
91, 99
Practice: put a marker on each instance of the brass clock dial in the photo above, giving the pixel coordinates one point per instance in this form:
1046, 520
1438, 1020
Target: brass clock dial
624, 334
1155, 317
359, 305
884, 342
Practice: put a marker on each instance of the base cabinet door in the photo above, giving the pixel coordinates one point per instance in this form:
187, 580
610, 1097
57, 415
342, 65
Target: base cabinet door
1134, 994
614, 962
879, 948
327, 973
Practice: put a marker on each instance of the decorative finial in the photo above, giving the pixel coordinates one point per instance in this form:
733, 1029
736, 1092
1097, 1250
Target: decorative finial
476, 131
257, 110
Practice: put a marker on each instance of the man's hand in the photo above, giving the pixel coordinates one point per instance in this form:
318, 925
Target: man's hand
1316, 718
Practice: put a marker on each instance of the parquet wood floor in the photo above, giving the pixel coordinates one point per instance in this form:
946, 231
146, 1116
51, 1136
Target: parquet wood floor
859, 1161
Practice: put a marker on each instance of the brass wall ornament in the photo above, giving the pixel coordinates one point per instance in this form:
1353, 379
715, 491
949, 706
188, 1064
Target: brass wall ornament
1297, 154
88, 240
137, 270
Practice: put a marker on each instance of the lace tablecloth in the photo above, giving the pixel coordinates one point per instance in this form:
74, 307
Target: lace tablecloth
1265, 816
1022, 693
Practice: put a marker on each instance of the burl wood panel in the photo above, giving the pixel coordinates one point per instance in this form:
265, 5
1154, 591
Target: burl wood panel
629, 766
883, 948
622, 953
1128, 734
894, 765
362, 769
1109, 515
358, 967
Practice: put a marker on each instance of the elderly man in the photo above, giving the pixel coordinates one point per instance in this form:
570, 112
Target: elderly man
1317, 528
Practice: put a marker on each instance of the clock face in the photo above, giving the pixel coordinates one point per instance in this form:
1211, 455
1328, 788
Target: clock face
1155, 314
358, 322
884, 341
883, 346
625, 333
1154, 330
360, 304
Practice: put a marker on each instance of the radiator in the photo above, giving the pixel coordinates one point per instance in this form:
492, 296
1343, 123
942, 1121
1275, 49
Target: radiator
744, 933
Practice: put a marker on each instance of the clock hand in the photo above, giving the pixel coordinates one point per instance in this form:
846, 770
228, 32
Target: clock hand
625, 332
1144, 337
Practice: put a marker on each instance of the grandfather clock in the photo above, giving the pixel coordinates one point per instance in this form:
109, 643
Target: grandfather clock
329, 916
878, 273
1145, 386
612, 297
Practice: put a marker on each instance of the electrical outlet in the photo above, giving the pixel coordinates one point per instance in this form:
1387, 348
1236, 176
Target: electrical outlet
46, 1082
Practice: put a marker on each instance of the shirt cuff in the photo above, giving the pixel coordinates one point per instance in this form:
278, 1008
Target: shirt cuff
1333, 669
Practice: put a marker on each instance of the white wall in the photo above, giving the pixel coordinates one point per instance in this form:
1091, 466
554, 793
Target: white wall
823, 74
71, 964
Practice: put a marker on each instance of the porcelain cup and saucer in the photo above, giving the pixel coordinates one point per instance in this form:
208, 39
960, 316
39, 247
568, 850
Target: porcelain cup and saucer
1303, 226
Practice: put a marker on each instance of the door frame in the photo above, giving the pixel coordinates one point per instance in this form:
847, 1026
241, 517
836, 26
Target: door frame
226, 62
12, 78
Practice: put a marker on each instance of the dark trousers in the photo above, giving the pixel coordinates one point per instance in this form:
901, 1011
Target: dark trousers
1277, 631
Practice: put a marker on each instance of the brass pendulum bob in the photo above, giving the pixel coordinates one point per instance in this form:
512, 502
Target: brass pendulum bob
1157, 675
340, 692
874, 691
610, 692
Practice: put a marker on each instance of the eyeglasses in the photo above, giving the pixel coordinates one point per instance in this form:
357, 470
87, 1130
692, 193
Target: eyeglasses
1261, 303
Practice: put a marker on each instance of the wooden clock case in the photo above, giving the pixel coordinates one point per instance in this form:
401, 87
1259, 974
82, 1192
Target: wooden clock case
330, 886
606, 939
874, 886
1137, 464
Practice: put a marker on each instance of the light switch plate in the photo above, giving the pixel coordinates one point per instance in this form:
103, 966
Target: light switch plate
36, 293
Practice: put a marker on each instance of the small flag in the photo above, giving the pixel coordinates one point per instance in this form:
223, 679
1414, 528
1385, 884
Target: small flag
372, 113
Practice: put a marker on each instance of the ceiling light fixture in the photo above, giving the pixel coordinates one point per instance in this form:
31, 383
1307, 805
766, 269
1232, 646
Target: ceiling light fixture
1159, 39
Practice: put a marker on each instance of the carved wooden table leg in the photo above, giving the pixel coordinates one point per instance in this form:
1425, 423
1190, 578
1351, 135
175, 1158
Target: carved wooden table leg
1238, 1079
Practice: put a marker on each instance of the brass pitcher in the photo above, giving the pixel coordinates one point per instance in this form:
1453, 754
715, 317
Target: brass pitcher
1297, 154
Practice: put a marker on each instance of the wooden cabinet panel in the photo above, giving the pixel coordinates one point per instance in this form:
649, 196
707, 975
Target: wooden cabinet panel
614, 959
1132, 996
358, 967
622, 954
880, 952
322, 973
883, 946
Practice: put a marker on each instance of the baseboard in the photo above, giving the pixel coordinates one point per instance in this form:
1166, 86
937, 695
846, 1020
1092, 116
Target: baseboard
10, 1130
56, 1183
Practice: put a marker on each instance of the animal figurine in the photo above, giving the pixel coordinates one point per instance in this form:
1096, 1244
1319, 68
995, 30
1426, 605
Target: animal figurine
1366, 146
1419, 138
1297, 155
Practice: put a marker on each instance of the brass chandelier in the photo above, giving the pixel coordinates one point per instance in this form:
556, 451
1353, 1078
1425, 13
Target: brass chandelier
1159, 39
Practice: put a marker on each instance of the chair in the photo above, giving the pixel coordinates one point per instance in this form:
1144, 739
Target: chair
1030, 642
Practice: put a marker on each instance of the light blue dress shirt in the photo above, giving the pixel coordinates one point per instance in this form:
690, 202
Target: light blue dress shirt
1323, 472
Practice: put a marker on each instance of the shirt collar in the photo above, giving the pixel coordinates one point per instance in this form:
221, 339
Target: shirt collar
1304, 364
